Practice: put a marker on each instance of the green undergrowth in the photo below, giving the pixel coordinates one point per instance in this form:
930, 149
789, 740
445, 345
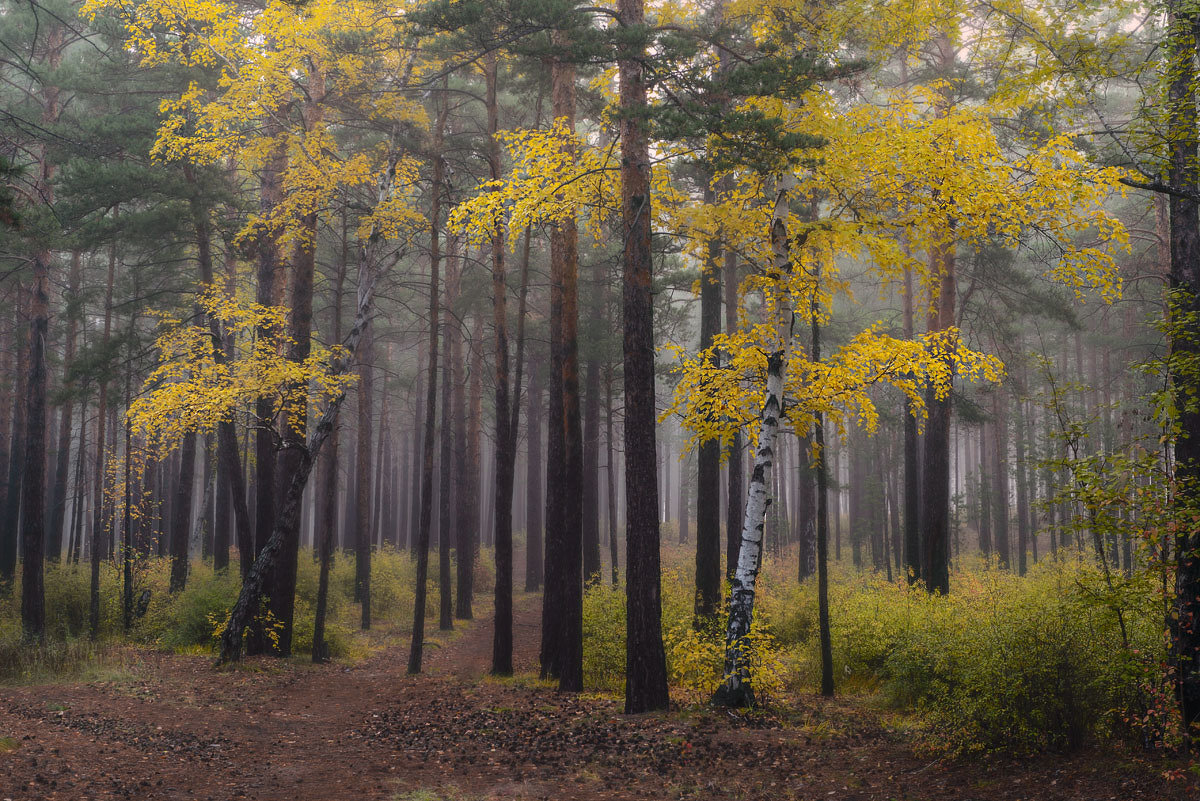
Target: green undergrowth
186, 621
1002, 663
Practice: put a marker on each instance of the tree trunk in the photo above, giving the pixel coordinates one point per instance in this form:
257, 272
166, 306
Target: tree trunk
58, 507
33, 494
807, 513
326, 523
12, 442
645, 661
1182, 22
534, 477
1019, 429
913, 558
611, 482
467, 459
75, 543
591, 452
985, 493
247, 603
935, 474
999, 453
362, 478
295, 427
447, 477
734, 471
708, 458
181, 512
423, 532
736, 689
562, 634
822, 476
418, 476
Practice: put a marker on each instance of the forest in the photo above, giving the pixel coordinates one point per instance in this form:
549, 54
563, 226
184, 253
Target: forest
447, 400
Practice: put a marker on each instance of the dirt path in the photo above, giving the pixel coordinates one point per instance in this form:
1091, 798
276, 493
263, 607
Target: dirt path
180, 730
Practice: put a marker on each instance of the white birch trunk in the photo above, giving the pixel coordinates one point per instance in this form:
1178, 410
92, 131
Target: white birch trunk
736, 689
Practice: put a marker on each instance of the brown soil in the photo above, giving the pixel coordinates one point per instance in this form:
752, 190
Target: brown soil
177, 729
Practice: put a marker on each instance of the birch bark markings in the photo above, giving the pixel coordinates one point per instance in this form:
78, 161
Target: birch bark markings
736, 689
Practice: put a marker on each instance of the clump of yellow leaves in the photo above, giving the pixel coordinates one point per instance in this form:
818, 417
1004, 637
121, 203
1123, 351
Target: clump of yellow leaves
288, 75
555, 176
715, 401
192, 389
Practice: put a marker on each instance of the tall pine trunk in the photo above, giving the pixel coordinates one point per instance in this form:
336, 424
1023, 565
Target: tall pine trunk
935, 473
708, 468
58, 506
645, 660
534, 478
416, 650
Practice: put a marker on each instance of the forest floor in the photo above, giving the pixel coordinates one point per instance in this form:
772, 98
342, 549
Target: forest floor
171, 727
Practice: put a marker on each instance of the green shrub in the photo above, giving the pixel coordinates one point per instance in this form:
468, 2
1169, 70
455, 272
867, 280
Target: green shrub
604, 627
1002, 663
186, 620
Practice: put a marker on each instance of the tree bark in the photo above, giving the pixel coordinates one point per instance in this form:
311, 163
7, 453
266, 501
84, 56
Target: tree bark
645, 661
182, 512
562, 636
58, 507
363, 477
736, 688
935, 474
611, 476
534, 477
467, 465
246, 606
708, 466
423, 533
33, 495
734, 471
999, 453
446, 487
1183, 23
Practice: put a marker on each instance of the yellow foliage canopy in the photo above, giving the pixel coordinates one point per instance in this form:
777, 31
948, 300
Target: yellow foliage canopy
192, 390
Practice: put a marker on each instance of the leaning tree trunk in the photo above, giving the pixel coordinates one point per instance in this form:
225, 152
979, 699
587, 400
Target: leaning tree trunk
736, 688
295, 426
246, 607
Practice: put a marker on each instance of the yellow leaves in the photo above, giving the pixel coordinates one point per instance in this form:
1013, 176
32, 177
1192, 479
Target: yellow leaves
713, 402
191, 389
556, 175
287, 74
